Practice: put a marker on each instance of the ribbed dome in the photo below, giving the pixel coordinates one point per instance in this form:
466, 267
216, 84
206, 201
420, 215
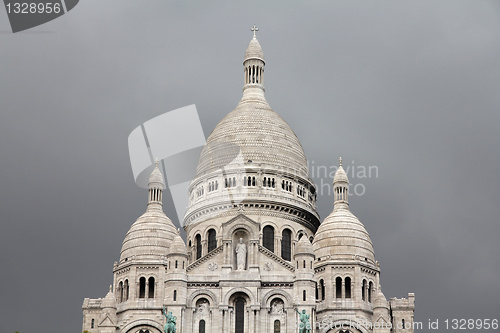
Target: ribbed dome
340, 175
178, 246
156, 178
149, 237
343, 236
109, 301
254, 50
261, 136
380, 300
304, 246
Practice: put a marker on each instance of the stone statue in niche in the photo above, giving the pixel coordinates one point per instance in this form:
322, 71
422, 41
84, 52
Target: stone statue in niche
277, 306
241, 255
203, 307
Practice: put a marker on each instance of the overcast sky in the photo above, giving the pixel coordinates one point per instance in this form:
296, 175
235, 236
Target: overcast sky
410, 87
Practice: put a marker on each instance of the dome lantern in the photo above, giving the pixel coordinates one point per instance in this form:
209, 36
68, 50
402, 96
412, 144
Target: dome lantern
340, 188
254, 64
155, 185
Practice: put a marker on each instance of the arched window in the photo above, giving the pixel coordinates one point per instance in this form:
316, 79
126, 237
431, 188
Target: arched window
120, 292
253, 181
175, 295
370, 289
363, 291
92, 324
151, 287
201, 327
277, 326
403, 323
264, 182
304, 295
212, 241
125, 286
347, 287
338, 287
142, 287
198, 246
322, 289
268, 238
286, 245
239, 323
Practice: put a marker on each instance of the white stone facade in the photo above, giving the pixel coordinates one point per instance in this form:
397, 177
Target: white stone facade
252, 194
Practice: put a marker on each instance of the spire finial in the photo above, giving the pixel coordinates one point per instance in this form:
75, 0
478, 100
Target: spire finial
254, 29
110, 288
157, 162
340, 161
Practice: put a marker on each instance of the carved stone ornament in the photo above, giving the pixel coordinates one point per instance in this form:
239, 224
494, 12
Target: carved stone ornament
212, 266
268, 266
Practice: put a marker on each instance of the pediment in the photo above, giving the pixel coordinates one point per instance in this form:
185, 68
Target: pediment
381, 320
240, 221
106, 322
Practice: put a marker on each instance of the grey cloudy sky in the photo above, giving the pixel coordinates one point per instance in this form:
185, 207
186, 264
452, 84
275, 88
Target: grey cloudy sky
411, 87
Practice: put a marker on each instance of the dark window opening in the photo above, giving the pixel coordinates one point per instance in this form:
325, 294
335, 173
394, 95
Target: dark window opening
268, 238
363, 289
338, 287
201, 328
142, 287
239, 323
322, 289
198, 246
151, 287
175, 295
286, 245
347, 287
277, 326
212, 241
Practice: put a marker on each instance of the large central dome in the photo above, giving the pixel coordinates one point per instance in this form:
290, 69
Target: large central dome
260, 135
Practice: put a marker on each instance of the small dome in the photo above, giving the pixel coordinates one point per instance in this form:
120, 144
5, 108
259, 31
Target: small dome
254, 50
156, 178
149, 237
178, 246
380, 300
340, 175
304, 246
109, 301
343, 236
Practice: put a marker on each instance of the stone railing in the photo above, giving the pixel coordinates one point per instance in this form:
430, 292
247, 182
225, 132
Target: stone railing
205, 258
273, 256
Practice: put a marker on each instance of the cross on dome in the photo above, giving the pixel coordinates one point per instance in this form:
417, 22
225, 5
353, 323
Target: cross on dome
254, 29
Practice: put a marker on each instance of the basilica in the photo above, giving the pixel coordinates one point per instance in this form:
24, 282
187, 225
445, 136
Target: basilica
257, 258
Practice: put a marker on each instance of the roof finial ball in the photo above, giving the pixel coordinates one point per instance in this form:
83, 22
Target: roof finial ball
254, 29
340, 161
